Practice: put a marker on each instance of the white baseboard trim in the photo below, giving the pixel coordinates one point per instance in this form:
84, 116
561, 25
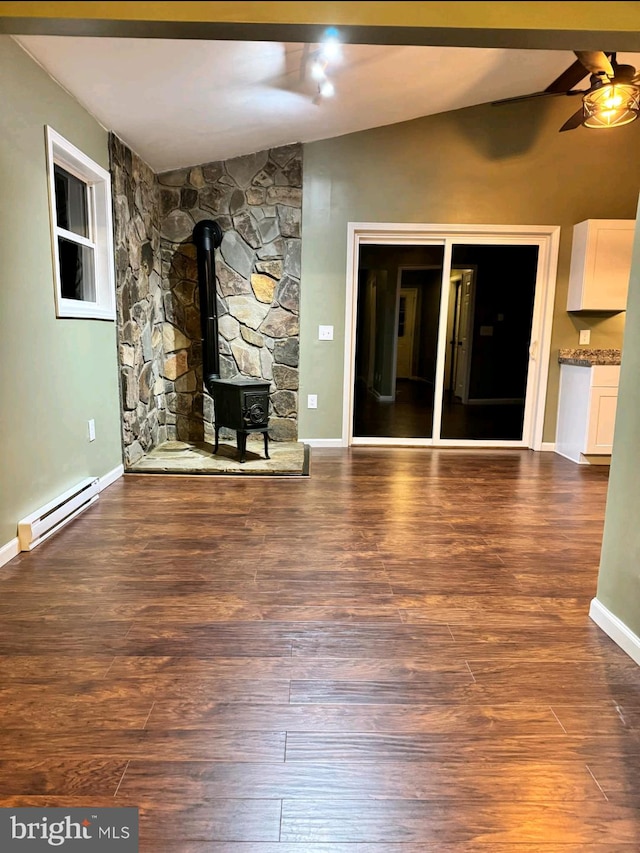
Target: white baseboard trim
9, 551
616, 629
584, 459
564, 456
548, 447
110, 477
323, 442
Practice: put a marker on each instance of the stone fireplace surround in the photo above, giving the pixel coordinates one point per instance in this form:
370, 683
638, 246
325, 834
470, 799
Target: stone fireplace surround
257, 201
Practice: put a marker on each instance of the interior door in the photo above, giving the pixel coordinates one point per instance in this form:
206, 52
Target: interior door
464, 338
406, 332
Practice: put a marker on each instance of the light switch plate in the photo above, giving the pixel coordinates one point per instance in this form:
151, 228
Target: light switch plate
325, 333
585, 336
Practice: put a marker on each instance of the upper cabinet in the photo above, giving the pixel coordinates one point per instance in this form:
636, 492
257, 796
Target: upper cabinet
600, 265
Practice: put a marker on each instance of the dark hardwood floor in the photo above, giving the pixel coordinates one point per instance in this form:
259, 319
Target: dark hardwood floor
390, 656
410, 415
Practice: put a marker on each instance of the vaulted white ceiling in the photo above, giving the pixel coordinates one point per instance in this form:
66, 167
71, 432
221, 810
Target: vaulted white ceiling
181, 102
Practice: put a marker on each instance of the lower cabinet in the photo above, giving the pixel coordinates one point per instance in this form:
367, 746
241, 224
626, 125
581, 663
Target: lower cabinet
587, 412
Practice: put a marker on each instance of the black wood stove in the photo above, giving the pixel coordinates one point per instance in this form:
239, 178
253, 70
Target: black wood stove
239, 404
242, 405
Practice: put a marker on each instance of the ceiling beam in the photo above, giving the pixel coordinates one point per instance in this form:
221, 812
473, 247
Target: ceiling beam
536, 25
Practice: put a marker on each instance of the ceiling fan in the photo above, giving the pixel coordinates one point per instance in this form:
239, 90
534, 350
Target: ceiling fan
613, 96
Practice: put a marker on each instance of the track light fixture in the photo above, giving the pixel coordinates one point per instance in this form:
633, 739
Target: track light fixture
328, 53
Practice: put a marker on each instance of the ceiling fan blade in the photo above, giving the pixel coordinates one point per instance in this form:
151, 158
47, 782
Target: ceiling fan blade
524, 97
595, 62
537, 95
568, 79
588, 62
573, 121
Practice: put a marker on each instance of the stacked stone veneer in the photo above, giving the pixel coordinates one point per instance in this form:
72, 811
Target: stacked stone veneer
139, 297
257, 201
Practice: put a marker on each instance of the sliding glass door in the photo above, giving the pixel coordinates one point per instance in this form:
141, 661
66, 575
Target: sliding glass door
443, 341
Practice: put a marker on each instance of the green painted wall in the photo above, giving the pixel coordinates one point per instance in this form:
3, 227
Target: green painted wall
492, 165
54, 374
619, 578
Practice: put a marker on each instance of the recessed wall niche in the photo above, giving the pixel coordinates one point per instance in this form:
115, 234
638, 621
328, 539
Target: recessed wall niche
257, 201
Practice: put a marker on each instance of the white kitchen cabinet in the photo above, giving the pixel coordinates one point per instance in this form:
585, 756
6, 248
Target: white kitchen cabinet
600, 265
602, 420
587, 412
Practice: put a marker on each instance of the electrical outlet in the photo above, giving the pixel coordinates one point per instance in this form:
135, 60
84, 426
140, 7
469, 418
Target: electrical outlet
325, 333
312, 401
92, 429
585, 336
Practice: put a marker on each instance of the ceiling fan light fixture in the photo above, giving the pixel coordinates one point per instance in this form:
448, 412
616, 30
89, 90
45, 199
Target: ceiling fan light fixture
611, 105
328, 53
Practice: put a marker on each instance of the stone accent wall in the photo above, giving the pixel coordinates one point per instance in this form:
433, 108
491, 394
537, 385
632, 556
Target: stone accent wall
257, 201
140, 307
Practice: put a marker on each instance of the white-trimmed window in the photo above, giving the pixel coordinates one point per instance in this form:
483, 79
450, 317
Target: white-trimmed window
81, 232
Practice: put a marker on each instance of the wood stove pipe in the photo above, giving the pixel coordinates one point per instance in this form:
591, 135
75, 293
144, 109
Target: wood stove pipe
207, 236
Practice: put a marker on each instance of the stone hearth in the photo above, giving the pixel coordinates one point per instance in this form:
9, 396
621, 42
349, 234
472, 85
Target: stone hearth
288, 458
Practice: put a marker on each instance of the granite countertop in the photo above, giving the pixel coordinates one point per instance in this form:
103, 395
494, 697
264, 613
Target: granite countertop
585, 357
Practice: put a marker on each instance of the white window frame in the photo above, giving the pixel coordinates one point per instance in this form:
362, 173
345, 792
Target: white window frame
63, 153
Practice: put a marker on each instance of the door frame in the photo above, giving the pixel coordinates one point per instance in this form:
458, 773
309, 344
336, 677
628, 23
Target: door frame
546, 237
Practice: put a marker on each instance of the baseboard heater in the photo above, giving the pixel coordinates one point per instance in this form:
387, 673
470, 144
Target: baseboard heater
47, 520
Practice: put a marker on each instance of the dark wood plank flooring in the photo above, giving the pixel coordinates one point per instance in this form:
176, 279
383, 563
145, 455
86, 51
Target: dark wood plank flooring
410, 415
391, 656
